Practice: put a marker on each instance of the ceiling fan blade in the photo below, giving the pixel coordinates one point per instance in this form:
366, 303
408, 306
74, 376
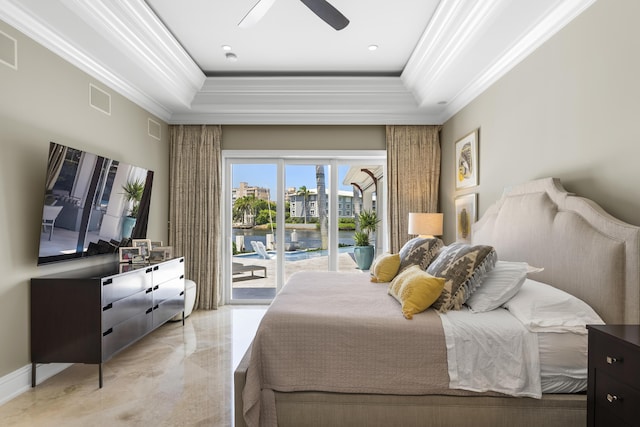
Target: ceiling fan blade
327, 13
256, 13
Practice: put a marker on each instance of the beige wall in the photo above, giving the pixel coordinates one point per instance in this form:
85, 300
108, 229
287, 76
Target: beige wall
46, 99
571, 110
303, 138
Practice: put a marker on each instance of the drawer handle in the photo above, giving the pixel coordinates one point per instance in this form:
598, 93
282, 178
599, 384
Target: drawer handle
182, 276
148, 291
611, 360
107, 332
148, 270
612, 398
181, 293
156, 268
181, 259
149, 310
156, 287
107, 282
156, 307
107, 307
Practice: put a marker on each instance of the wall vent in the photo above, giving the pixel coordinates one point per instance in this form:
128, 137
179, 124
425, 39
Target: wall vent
99, 99
8, 50
154, 129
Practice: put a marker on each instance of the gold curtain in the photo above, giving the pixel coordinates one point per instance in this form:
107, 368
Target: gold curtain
413, 169
194, 207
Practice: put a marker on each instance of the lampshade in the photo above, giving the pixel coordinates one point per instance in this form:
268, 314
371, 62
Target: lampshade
425, 224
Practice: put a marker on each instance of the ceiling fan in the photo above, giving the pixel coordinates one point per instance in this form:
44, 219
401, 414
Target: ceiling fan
322, 8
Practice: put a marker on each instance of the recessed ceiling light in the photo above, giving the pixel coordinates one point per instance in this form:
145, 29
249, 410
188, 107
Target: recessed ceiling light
231, 57
373, 47
226, 47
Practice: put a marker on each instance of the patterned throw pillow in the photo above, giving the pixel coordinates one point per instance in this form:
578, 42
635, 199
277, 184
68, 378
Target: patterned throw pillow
385, 267
463, 267
416, 290
419, 251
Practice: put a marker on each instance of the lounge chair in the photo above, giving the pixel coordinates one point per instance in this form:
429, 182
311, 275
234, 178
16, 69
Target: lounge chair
259, 248
239, 268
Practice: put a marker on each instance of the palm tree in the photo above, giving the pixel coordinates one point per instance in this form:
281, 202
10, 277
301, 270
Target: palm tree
244, 206
322, 205
304, 192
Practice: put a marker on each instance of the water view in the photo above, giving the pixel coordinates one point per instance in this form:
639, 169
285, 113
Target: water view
307, 238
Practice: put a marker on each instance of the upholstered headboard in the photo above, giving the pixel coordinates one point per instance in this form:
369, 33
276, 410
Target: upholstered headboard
584, 250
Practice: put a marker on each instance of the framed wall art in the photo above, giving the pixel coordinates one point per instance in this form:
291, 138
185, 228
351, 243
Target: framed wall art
466, 166
466, 214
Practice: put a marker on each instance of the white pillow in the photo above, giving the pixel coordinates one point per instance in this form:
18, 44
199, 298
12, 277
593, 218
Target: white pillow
499, 286
543, 308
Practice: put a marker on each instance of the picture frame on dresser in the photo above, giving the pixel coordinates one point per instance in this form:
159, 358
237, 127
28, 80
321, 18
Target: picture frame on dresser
128, 253
160, 253
144, 245
466, 158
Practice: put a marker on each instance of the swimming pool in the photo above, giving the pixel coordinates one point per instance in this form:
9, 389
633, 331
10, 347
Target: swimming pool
294, 255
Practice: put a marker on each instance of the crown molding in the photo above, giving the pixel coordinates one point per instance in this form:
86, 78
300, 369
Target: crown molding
553, 22
297, 84
137, 33
13, 13
305, 100
450, 30
281, 117
450, 37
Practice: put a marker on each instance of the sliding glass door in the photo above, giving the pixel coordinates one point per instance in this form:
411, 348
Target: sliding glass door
306, 240
285, 214
253, 211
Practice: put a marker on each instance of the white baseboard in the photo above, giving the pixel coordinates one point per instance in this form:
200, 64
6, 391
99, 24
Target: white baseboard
17, 382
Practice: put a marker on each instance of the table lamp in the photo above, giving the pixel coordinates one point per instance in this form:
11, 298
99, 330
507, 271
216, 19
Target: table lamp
425, 224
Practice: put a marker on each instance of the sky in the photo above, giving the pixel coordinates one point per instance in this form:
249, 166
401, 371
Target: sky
264, 175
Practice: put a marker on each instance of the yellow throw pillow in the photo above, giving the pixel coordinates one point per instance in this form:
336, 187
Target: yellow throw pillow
416, 290
385, 268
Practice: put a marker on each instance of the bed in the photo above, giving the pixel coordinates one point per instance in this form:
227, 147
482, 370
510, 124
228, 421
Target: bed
582, 250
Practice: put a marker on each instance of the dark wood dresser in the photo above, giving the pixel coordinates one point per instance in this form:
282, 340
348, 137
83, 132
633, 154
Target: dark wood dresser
88, 315
613, 394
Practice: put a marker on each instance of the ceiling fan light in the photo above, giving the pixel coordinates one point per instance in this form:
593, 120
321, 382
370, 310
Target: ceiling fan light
256, 13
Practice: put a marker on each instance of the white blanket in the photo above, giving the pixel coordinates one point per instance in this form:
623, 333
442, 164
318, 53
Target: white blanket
491, 351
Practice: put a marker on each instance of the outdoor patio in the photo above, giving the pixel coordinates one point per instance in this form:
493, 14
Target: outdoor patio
249, 273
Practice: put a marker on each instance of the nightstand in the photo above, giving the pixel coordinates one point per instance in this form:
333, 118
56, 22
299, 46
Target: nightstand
613, 393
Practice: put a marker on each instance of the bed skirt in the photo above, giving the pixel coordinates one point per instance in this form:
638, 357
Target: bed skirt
301, 409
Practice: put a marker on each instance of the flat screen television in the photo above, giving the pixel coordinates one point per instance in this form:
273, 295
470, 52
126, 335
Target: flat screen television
87, 210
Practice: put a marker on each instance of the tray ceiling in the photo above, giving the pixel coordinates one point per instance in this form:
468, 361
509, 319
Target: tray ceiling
433, 57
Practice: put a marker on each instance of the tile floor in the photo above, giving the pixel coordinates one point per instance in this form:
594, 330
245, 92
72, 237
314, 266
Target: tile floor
176, 376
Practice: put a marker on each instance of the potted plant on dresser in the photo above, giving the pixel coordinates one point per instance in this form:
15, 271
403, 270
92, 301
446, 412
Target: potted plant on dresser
363, 251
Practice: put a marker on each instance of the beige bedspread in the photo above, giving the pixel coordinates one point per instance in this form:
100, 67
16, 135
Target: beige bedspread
338, 332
